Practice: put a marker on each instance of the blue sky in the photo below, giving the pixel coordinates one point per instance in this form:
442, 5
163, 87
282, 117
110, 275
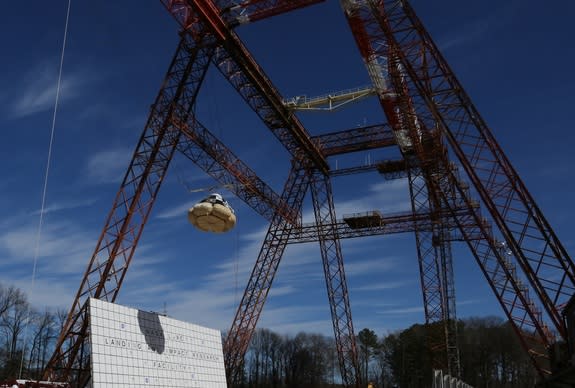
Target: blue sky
515, 59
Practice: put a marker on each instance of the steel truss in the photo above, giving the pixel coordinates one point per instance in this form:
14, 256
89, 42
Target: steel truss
431, 120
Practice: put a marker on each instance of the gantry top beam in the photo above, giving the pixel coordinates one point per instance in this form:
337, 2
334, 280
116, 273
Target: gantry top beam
269, 106
253, 10
245, 12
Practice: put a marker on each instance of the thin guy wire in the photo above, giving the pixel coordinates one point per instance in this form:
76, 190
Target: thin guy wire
45, 187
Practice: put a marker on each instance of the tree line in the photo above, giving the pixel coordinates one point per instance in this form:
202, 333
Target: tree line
489, 351
490, 355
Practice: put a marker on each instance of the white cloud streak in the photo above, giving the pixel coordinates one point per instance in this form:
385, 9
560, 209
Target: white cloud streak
63, 247
59, 206
468, 33
384, 286
371, 266
402, 311
175, 212
468, 302
63, 253
480, 27
40, 86
387, 196
108, 166
53, 293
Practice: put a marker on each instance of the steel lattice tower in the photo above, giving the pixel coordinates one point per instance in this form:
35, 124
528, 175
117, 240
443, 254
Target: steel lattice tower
461, 185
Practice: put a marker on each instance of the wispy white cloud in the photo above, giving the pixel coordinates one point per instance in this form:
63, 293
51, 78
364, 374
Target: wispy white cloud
402, 311
39, 89
63, 253
72, 204
292, 269
288, 326
293, 319
175, 212
108, 166
386, 196
203, 306
63, 247
468, 302
144, 266
357, 268
54, 293
480, 27
468, 33
282, 291
218, 309
212, 299
387, 285
208, 300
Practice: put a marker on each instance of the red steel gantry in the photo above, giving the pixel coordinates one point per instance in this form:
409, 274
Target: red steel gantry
443, 142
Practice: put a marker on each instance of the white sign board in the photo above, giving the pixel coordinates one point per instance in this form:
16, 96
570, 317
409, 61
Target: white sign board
134, 348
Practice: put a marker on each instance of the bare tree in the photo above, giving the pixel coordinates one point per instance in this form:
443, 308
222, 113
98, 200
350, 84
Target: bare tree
8, 296
12, 323
45, 329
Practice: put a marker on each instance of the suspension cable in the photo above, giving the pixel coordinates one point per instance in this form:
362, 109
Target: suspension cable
45, 186
236, 260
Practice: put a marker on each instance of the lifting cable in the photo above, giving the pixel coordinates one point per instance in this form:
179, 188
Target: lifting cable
236, 261
214, 114
45, 186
